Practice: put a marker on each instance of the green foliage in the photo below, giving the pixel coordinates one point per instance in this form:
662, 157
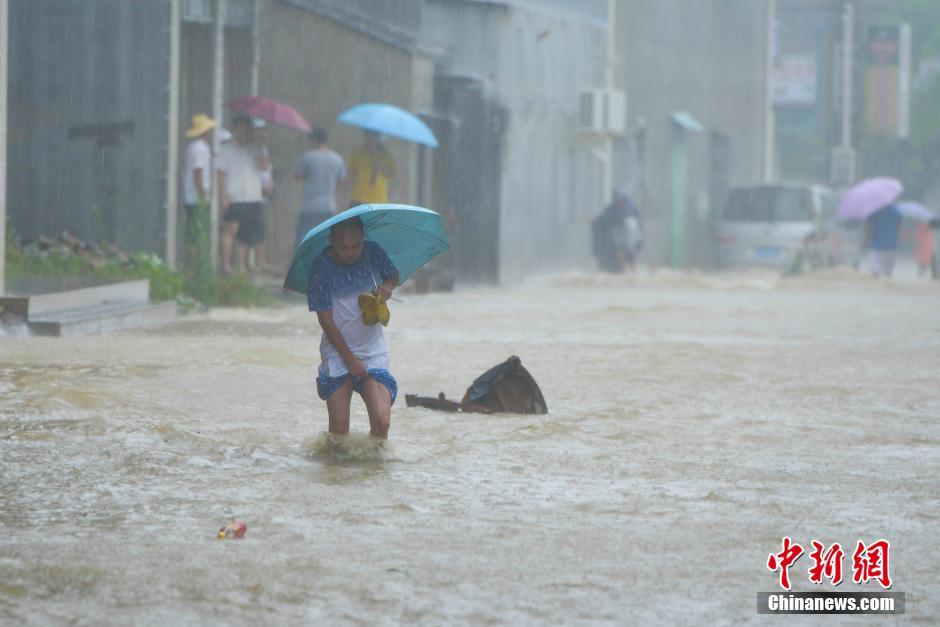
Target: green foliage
164, 283
239, 291
199, 286
200, 281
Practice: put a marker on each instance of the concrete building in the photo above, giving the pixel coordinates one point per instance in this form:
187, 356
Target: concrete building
324, 57
523, 184
101, 92
696, 82
92, 111
498, 81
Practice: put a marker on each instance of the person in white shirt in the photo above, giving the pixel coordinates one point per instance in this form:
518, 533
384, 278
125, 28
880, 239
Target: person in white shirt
197, 184
354, 355
239, 166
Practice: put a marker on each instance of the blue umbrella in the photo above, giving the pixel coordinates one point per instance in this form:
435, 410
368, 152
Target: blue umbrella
389, 119
411, 236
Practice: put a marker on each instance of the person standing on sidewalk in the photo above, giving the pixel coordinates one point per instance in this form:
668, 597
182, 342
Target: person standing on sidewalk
322, 171
197, 185
371, 166
240, 166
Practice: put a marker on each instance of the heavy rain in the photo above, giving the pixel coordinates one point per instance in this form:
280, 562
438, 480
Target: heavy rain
436, 312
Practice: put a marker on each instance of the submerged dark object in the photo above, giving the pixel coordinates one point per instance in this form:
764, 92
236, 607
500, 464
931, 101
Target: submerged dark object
441, 403
507, 387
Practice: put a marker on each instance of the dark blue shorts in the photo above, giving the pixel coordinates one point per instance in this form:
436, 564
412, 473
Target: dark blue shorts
327, 386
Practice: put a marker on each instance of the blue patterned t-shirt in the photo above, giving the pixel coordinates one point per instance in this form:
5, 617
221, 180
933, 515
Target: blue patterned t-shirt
335, 287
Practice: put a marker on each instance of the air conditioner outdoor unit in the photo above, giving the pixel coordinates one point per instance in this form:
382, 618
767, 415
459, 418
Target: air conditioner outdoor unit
602, 111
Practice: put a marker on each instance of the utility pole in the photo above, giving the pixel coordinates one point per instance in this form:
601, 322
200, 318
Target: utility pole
848, 41
608, 149
769, 117
255, 47
843, 157
172, 146
218, 94
4, 53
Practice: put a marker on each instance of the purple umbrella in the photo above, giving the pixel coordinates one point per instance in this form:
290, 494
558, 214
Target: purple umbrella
915, 211
868, 196
271, 110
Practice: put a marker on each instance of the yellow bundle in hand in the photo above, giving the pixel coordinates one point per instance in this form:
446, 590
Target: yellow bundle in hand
373, 308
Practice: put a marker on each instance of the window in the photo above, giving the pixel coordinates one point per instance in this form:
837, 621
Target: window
749, 204
793, 205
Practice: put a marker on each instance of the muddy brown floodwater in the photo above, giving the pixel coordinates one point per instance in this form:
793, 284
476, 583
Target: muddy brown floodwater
694, 421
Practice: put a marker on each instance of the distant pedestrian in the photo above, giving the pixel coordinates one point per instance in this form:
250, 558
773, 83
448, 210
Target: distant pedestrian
371, 166
881, 240
618, 234
257, 261
197, 185
323, 172
924, 249
240, 165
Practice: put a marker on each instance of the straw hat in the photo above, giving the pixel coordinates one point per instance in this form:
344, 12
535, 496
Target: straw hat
201, 123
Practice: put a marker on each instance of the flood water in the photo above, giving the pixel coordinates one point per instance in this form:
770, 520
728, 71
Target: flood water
694, 421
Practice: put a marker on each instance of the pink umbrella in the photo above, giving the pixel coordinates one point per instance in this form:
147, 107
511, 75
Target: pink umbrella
270, 110
868, 196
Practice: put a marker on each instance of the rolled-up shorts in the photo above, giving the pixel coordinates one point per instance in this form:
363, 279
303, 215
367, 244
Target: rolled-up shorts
327, 386
250, 218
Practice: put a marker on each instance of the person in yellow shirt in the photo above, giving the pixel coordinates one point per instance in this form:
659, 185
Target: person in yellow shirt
370, 168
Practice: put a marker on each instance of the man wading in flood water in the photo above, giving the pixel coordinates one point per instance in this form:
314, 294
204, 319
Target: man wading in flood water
354, 354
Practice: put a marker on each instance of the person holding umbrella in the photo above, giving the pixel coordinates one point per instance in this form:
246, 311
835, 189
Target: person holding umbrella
372, 165
881, 240
348, 266
240, 165
354, 355
874, 200
370, 168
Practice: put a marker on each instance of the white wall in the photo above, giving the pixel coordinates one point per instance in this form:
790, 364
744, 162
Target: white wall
535, 60
553, 178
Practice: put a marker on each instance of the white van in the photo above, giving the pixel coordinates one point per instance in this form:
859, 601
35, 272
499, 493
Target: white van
769, 225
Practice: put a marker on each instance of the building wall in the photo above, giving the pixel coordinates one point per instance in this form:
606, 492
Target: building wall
531, 63
706, 58
322, 67
806, 131
87, 120
552, 187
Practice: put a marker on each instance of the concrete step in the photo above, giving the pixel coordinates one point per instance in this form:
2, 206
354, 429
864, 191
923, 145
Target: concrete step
30, 303
101, 318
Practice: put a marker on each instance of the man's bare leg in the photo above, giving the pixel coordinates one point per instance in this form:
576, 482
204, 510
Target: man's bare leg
228, 238
337, 406
379, 405
242, 256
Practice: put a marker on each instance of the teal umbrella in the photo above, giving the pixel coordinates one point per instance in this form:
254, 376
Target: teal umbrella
410, 236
